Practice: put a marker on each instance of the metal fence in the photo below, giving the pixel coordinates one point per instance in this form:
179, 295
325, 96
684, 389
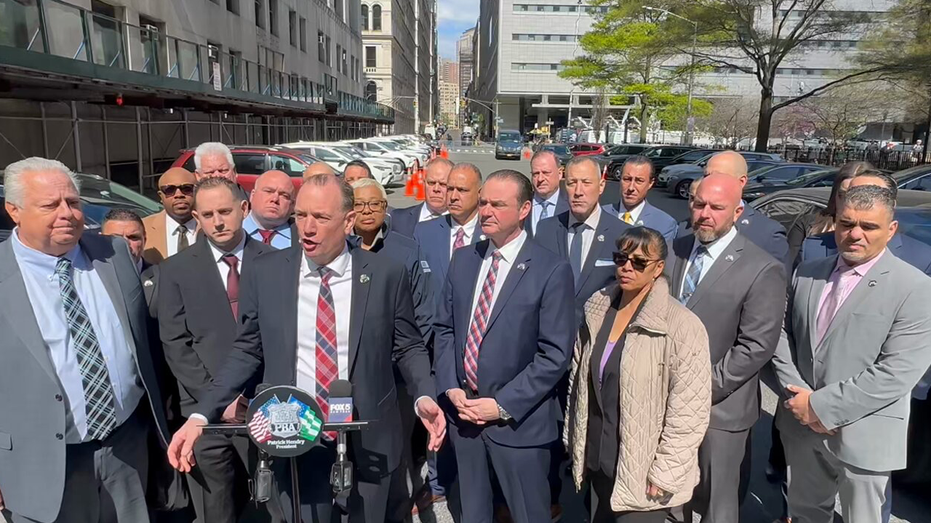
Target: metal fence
892, 160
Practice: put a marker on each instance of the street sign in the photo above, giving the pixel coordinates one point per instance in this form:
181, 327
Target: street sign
499, 119
217, 81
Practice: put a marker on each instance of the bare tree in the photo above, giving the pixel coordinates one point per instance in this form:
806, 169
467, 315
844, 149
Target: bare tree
732, 120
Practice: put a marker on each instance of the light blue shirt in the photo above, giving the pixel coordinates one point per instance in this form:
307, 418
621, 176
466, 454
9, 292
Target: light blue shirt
281, 240
538, 207
115, 341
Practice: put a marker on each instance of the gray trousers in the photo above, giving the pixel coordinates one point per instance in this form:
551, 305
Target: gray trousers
106, 481
817, 477
716, 497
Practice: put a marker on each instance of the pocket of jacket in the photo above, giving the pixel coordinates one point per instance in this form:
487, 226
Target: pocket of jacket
6, 441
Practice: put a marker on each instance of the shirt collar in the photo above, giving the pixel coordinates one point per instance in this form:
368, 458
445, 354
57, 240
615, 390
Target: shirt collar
591, 221
716, 248
237, 251
510, 250
426, 213
859, 270
339, 265
251, 226
634, 213
172, 224
41, 263
469, 226
552, 200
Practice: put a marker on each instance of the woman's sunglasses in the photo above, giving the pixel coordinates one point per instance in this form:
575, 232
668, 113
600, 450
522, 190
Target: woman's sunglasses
639, 264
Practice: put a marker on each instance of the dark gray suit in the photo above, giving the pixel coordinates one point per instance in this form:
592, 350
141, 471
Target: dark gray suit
33, 454
862, 373
741, 301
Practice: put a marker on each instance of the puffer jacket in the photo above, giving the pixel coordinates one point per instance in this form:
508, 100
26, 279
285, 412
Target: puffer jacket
665, 398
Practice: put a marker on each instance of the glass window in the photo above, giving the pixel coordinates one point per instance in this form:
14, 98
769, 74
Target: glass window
249, 163
288, 165
785, 210
365, 17
920, 184
370, 56
376, 18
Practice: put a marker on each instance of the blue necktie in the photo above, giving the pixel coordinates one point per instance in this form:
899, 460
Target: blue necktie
693, 276
575, 250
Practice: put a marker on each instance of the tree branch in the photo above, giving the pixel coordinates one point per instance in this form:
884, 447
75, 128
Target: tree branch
825, 87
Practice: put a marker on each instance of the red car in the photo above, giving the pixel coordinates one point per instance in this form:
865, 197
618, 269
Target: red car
253, 160
586, 149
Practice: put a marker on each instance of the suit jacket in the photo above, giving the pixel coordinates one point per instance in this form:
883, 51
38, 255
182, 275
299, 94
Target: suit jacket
32, 414
598, 269
863, 371
526, 347
196, 323
156, 238
434, 239
403, 221
740, 301
149, 279
911, 251
382, 333
766, 233
562, 205
651, 217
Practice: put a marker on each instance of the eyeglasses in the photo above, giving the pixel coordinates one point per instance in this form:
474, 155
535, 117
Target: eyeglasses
639, 264
186, 189
378, 206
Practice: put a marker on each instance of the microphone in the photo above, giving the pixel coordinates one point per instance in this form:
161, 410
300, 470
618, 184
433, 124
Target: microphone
340, 402
261, 484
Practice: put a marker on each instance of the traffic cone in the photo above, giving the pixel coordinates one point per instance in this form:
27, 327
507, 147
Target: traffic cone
409, 187
527, 153
444, 153
420, 193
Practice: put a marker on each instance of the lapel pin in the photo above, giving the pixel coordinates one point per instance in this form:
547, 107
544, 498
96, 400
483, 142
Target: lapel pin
872, 283
601, 237
482, 237
148, 283
745, 222
729, 258
364, 278
639, 223
521, 266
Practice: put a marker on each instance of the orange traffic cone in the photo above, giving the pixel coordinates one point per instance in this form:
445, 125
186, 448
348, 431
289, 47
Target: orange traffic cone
420, 193
444, 153
409, 187
527, 153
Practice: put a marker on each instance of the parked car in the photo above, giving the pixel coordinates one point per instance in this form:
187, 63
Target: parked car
586, 149
561, 151
382, 150
678, 178
508, 145
786, 176
98, 196
337, 155
420, 153
466, 138
656, 154
687, 157
253, 160
916, 178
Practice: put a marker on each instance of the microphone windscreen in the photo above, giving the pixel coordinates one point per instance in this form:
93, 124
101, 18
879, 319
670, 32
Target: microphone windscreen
341, 389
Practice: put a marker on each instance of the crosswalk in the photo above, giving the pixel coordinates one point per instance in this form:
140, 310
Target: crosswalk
471, 150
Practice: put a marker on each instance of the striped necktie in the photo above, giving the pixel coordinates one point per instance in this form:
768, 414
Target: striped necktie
480, 322
693, 276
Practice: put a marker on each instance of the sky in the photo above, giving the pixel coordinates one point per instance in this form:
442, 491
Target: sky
454, 17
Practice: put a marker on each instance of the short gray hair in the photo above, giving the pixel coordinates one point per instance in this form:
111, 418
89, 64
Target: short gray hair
362, 183
13, 189
209, 149
322, 180
865, 197
639, 159
579, 160
439, 160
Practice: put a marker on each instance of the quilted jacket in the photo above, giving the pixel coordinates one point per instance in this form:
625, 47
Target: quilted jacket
665, 399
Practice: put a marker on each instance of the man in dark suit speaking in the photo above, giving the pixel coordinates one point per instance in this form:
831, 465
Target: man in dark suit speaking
504, 333
326, 312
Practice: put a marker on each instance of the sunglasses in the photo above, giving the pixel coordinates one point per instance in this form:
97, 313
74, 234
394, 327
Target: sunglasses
639, 264
186, 189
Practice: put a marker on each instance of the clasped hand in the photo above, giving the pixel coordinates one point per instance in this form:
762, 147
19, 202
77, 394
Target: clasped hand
478, 411
800, 407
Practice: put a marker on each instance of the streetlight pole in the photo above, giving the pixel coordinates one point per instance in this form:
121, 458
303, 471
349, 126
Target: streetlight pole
688, 110
486, 106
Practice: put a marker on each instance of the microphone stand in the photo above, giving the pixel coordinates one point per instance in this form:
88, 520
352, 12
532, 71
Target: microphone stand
341, 478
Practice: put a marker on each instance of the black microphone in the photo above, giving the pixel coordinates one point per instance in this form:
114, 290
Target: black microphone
262, 482
261, 387
340, 402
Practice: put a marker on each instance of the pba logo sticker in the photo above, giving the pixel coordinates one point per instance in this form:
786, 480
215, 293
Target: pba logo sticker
285, 425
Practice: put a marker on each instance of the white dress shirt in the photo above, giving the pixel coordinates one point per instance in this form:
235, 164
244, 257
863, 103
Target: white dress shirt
221, 265
715, 249
588, 235
469, 228
426, 214
308, 290
508, 255
538, 208
115, 341
171, 233
634, 213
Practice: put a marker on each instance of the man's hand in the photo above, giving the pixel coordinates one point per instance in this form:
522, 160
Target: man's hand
479, 411
654, 493
821, 429
181, 448
434, 420
235, 412
799, 405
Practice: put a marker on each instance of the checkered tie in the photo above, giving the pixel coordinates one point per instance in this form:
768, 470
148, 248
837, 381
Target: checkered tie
694, 275
327, 363
95, 378
460, 239
480, 322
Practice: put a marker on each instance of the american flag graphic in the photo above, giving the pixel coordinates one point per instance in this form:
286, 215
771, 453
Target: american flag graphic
260, 427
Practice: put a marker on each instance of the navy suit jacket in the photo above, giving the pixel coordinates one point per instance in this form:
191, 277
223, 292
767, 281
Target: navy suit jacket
763, 231
562, 205
403, 221
598, 269
526, 347
434, 239
905, 248
651, 217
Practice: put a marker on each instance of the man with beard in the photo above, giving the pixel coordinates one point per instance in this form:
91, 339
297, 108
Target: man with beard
738, 291
174, 229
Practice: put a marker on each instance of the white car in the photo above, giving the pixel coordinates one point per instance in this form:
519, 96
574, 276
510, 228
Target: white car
422, 154
337, 156
386, 150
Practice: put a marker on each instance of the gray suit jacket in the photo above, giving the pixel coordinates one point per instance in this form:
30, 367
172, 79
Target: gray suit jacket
740, 301
32, 413
862, 373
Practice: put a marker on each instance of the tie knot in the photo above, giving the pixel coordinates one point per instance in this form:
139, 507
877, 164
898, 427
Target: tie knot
496, 257
182, 229
266, 235
231, 260
579, 226
325, 274
63, 266
701, 251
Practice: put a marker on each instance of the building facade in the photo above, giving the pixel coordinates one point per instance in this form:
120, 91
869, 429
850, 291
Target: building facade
449, 102
449, 71
117, 88
465, 54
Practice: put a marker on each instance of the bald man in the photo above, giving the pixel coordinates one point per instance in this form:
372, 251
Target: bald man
738, 291
318, 168
767, 233
272, 202
175, 228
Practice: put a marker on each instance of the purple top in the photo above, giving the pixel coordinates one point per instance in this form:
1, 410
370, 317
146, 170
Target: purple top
609, 348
